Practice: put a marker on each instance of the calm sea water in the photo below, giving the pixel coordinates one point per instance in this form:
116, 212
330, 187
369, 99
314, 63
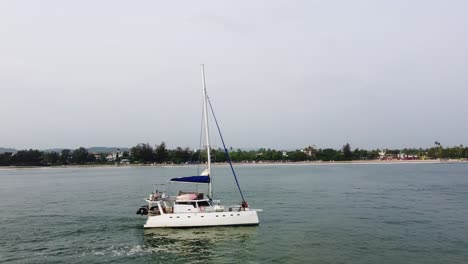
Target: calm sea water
409, 213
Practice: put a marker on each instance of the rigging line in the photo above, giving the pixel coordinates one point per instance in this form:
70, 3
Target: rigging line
200, 145
225, 150
213, 145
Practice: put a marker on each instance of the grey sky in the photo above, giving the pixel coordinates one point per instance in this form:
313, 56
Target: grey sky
282, 74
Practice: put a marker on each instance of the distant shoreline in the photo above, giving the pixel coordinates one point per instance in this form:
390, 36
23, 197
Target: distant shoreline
249, 164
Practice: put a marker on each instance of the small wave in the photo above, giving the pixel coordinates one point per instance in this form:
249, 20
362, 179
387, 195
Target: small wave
133, 250
407, 222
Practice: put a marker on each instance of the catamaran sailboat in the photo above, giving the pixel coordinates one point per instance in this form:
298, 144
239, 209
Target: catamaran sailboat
194, 208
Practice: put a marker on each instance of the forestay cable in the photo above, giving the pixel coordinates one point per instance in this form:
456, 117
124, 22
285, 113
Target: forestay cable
228, 158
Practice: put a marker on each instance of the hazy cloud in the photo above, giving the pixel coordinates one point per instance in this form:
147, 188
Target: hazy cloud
283, 75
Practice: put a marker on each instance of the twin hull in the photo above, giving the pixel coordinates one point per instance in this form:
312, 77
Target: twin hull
234, 218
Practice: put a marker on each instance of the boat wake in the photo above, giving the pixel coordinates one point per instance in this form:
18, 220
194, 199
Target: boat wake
189, 244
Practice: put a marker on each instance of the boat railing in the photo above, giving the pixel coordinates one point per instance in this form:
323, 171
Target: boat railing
159, 187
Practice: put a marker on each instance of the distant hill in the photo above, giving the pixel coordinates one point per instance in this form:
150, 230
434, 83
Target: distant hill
93, 149
58, 150
106, 149
3, 150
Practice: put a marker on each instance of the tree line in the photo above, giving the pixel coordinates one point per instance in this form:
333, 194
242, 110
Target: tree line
34, 157
144, 153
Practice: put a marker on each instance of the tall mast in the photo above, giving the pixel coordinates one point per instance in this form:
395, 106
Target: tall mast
207, 131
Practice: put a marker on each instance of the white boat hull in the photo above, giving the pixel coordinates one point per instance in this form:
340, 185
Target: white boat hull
199, 219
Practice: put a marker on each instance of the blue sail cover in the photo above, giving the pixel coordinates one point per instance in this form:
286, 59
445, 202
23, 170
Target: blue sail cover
194, 179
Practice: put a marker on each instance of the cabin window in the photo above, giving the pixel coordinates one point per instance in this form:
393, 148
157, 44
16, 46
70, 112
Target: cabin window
217, 215
194, 204
204, 203
238, 214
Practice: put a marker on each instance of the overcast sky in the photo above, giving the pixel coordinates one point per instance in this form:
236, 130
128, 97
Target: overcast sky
281, 74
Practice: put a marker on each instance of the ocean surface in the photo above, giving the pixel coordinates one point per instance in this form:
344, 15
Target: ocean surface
343, 213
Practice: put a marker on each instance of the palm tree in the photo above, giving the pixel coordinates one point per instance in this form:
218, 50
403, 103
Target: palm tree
440, 149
